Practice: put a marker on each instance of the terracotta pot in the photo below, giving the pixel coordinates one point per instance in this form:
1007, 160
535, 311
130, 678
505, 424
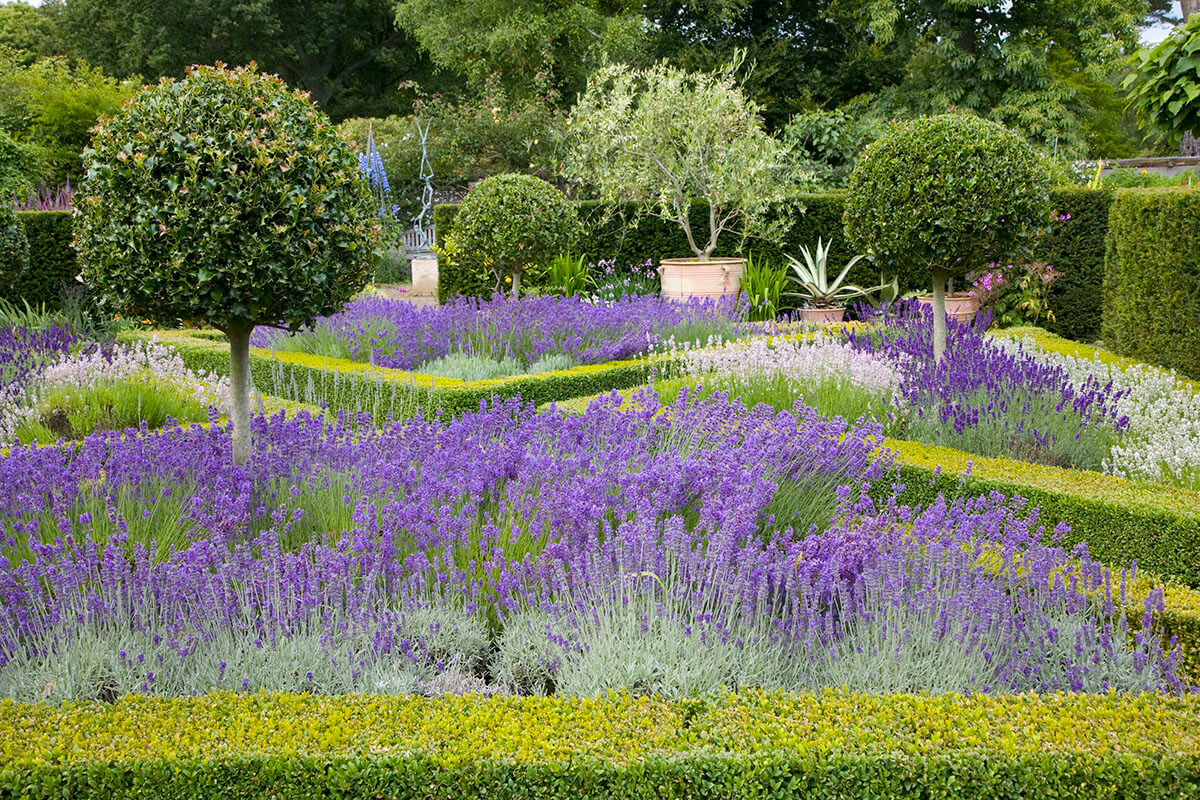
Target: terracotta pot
690, 277
959, 307
822, 315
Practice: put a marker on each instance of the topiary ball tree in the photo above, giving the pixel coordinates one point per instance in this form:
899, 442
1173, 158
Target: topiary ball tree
510, 223
947, 195
225, 199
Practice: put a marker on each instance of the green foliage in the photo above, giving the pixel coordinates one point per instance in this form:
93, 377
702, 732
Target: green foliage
51, 107
52, 263
1164, 87
18, 167
567, 275
666, 140
14, 249
28, 32
348, 55
828, 143
1125, 178
1152, 278
762, 285
1074, 247
948, 193
748, 744
1029, 66
198, 206
508, 223
524, 46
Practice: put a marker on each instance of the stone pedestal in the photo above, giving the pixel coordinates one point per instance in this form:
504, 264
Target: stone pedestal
425, 276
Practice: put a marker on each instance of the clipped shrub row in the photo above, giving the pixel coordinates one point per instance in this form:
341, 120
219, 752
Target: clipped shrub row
353, 387
52, 261
752, 744
1152, 278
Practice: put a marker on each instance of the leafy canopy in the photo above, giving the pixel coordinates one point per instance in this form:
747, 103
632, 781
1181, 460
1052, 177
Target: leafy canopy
226, 199
666, 139
1165, 87
947, 193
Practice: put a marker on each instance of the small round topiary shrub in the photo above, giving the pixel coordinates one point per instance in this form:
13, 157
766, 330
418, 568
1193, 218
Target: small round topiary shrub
225, 199
508, 223
945, 195
14, 250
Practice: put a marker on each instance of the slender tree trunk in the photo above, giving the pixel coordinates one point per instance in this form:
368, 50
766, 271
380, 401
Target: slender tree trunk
939, 315
516, 289
239, 379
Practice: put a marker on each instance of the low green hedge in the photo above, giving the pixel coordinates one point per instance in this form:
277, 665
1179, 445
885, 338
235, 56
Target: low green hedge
1152, 278
52, 260
1121, 521
353, 387
749, 745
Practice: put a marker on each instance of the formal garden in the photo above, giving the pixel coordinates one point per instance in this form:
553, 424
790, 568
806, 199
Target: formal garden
713, 471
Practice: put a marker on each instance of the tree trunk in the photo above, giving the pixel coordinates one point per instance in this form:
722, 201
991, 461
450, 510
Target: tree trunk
239, 386
1190, 145
1189, 7
516, 289
939, 315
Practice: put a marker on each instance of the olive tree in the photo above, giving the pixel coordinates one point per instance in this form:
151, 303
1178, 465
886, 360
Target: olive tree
667, 139
946, 195
225, 199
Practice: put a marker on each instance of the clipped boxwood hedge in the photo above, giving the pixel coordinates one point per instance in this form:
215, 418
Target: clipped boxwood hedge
1152, 278
749, 745
52, 260
353, 386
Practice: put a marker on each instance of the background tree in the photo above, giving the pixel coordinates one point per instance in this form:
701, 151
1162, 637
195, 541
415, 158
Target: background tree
28, 33
1164, 88
997, 58
945, 195
348, 54
229, 200
667, 139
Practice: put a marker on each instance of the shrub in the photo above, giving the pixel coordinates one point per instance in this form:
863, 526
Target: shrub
750, 744
52, 265
1074, 247
1152, 278
228, 199
945, 195
511, 222
14, 249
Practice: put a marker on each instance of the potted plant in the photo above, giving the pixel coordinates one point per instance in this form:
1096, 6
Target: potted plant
673, 142
825, 300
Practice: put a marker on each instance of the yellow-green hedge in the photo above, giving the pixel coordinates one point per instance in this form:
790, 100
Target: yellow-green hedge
380, 390
754, 744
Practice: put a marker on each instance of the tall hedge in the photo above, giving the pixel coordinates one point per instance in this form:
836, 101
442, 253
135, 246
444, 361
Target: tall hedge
52, 261
1075, 247
1152, 278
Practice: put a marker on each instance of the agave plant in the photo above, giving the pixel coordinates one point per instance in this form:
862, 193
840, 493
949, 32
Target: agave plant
811, 276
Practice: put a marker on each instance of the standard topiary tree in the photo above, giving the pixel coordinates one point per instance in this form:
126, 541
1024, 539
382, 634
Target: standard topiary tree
508, 223
225, 199
947, 194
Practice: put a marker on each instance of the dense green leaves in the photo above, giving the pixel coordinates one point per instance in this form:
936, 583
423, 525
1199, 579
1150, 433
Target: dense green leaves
224, 198
52, 265
1152, 278
509, 223
1165, 88
14, 249
952, 193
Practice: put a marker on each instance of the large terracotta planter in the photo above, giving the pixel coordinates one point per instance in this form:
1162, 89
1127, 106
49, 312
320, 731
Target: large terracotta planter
959, 307
690, 277
822, 315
